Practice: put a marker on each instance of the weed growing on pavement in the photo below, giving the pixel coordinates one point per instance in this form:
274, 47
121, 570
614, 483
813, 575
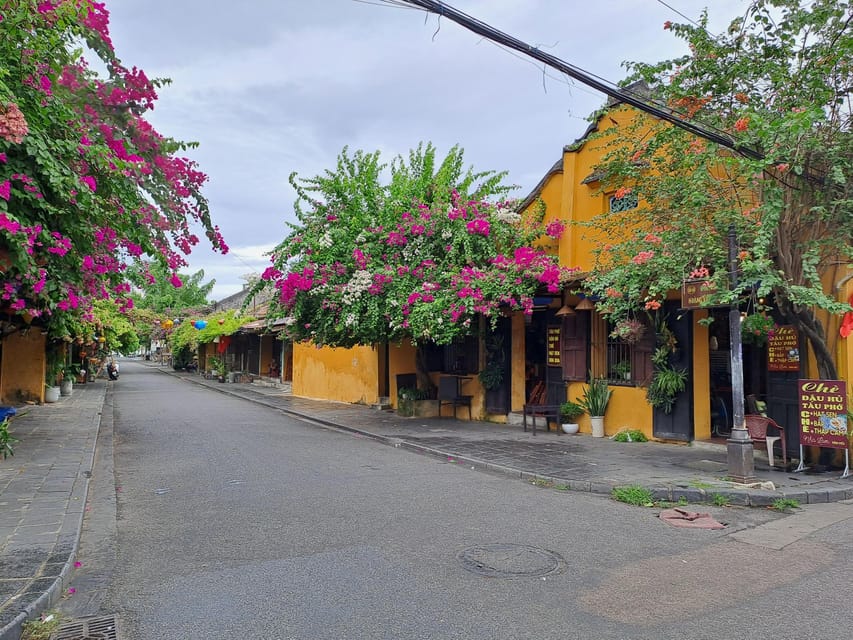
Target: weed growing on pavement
6, 439
43, 628
635, 495
562, 487
682, 502
541, 482
785, 505
630, 435
719, 500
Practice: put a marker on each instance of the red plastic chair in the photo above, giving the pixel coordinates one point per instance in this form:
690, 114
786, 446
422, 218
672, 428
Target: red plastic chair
757, 427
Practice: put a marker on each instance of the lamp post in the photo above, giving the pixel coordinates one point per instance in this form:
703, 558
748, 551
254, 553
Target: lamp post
739, 445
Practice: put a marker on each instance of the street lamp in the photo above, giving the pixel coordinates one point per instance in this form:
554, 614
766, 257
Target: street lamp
739, 445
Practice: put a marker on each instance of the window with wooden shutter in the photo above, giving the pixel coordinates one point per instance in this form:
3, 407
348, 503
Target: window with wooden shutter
574, 339
642, 368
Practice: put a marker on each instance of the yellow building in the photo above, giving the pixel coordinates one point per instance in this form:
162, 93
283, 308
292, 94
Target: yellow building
547, 357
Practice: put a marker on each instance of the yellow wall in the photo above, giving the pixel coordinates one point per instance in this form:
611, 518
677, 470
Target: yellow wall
344, 375
22, 369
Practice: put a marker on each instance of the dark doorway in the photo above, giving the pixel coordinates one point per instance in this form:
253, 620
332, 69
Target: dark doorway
498, 346
678, 423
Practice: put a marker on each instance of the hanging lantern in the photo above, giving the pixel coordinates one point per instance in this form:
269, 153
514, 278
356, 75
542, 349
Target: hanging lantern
221, 320
200, 324
102, 339
167, 324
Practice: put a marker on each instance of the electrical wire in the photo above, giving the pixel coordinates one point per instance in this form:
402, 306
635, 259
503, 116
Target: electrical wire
641, 102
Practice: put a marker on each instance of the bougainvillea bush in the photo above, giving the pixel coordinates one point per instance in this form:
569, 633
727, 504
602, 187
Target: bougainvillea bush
421, 257
86, 183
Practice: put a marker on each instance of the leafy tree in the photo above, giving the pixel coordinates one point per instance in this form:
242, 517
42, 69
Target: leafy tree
421, 256
159, 293
86, 183
778, 83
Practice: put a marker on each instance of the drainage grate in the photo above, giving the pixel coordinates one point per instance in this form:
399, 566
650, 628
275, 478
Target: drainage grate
503, 560
105, 628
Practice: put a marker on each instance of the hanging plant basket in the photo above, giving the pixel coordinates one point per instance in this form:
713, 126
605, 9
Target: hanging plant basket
630, 330
757, 329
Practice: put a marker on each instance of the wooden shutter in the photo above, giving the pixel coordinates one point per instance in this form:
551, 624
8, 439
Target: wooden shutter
641, 356
574, 339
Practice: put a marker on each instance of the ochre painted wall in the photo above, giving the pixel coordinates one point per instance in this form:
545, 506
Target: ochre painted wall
22, 369
344, 375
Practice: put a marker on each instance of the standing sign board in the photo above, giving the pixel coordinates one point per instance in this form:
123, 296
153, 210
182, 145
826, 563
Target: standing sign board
783, 353
823, 416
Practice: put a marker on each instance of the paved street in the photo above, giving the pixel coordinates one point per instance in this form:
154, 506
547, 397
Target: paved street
214, 511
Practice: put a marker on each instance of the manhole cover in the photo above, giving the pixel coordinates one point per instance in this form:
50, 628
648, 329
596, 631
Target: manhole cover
105, 628
502, 560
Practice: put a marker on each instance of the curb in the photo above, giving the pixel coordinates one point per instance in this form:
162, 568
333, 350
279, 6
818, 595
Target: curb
668, 492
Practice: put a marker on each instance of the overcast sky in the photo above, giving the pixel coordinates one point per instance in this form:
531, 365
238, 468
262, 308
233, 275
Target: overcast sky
268, 87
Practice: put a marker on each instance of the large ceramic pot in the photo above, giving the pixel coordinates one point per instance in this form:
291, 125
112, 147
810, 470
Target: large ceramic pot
51, 394
597, 426
570, 427
66, 387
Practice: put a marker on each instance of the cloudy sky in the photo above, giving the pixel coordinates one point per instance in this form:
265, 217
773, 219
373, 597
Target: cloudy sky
268, 87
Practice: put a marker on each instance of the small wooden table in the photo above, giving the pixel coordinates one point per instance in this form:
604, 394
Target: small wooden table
541, 410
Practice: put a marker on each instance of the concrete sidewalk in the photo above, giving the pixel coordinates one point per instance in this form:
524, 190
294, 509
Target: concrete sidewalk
43, 488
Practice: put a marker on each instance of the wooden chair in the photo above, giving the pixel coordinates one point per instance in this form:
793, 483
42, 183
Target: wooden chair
757, 426
448, 393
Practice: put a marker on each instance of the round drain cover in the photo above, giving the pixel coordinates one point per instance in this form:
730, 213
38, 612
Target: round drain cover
502, 560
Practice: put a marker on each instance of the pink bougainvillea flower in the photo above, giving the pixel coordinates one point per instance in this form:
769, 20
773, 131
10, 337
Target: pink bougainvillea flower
176, 281
5, 190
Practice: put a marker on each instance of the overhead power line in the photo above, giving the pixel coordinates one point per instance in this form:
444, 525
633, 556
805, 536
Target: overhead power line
490, 33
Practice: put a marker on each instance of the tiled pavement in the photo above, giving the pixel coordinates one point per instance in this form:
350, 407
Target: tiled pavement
43, 488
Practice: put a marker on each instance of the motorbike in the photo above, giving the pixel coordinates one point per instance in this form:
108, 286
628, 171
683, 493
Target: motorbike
112, 370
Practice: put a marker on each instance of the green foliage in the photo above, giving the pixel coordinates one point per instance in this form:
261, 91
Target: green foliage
410, 394
570, 411
777, 83
158, 293
785, 504
43, 628
6, 439
665, 386
596, 396
720, 500
634, 495
420, 255
630, 435
219, 366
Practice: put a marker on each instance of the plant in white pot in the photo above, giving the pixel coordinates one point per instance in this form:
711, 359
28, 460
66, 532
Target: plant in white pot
569, 414
594, 402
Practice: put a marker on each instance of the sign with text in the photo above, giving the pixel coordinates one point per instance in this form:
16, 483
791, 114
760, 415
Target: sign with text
554, 347
823, 413
783, 349
696, 293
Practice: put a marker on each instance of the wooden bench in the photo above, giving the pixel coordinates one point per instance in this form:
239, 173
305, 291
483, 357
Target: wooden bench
541, 410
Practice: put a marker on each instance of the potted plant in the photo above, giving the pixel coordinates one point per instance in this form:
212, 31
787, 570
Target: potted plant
569, 414
410, 402
69, 374
594, 402
219, 368
622, 369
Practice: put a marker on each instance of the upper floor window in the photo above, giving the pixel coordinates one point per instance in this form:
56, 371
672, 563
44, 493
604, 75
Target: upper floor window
623, 202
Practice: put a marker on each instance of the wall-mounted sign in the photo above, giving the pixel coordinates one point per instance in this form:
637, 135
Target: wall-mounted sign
695, 294
823, 413
783, 349
554, 347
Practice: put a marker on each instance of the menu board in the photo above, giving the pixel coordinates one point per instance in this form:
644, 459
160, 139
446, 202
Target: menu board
554, 346
783, 349
823, 413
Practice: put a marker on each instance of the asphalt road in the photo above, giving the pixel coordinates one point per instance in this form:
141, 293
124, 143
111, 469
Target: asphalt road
222, 519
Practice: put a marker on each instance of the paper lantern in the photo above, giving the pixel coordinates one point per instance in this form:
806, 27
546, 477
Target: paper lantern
167, 324
200, 324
